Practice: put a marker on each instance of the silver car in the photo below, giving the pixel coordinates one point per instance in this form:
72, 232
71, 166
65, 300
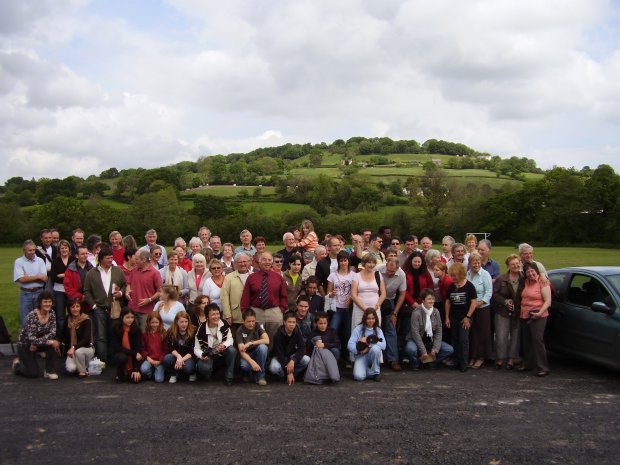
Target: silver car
584, 319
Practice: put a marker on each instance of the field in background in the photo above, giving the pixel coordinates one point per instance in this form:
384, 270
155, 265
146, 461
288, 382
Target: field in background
551, 257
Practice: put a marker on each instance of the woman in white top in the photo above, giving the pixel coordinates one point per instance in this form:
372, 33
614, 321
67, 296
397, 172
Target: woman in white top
168, 305
212, 287
196, 277
338, 296
367, 290
174, 275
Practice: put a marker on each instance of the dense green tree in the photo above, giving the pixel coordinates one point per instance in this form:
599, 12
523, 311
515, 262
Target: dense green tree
315, 158
161, 211
209, 206
165, 176
110, 173
90, 188
48, 189
321, 196
13, 225
603, 203
62, 213
434, 190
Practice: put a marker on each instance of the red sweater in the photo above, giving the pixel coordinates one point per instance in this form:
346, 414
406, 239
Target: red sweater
426, 280
444, 284
154, 345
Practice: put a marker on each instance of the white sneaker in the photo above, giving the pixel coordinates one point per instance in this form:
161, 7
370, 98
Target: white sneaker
173, 379
47, 375
192, 378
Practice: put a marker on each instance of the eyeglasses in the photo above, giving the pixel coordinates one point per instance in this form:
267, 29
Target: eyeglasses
216, 267
277, 261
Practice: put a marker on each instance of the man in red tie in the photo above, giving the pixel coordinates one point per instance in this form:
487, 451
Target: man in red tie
265, 293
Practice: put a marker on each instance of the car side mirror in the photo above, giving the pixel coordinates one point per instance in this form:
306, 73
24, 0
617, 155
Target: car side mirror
600, 307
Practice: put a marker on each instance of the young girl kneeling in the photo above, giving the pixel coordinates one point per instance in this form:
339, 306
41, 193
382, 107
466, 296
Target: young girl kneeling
366, 343
154, 348
181, 346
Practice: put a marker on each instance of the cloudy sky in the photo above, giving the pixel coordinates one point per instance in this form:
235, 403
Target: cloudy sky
87, 85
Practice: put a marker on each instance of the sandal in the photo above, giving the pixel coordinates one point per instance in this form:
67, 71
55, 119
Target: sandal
83, 375
510, 366
499, 365
478, 364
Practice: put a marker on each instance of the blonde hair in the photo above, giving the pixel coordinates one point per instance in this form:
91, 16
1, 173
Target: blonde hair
458, 272
171, 290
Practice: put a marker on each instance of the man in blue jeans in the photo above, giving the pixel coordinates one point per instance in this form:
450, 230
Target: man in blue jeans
253, 346
30, 274
395, 287
288, 350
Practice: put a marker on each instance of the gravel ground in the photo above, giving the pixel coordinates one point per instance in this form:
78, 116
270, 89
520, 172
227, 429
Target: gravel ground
427, 417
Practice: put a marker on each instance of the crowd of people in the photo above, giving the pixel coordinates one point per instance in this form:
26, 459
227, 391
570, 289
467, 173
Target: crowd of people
302, 313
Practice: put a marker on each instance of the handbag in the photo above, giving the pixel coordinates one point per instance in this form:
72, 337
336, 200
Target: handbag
115, 309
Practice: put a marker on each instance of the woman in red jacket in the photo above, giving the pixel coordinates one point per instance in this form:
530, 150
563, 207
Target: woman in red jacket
418, 278
441, 273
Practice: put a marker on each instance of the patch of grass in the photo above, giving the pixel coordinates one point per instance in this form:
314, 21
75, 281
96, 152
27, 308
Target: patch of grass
9, 291
230, 191
271, 208
115, 204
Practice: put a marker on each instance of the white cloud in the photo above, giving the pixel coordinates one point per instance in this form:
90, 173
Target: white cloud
85, 81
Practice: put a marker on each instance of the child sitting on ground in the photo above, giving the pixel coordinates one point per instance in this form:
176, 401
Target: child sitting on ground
288, 350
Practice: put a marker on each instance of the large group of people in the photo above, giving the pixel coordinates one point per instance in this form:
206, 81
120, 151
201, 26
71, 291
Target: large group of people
303, 313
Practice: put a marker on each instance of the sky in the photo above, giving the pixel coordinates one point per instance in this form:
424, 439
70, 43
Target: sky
86, 85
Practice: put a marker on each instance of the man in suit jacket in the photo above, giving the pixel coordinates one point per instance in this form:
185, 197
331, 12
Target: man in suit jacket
103, 284
232, 290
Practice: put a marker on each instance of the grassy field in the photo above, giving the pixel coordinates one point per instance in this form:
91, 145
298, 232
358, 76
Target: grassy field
551, 257
230, 191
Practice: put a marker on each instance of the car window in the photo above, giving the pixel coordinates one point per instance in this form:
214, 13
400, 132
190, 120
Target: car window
615, 282
585, 290
557, 283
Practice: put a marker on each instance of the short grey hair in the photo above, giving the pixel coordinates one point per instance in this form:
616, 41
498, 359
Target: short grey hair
485, 242
28, 243
242, 255
144, 254
150, 232
195, 240
319, 249
199, 258
448, 238
525, 246
287, 235
431, 255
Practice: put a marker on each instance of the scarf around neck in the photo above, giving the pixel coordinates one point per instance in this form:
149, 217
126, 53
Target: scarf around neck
428, 326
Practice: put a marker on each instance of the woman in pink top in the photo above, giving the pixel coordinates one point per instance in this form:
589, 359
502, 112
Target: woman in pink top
535, 302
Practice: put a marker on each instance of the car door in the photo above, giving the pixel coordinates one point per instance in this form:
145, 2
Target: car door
582, 331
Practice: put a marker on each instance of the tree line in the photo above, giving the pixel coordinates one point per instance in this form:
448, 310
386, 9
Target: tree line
565, 206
